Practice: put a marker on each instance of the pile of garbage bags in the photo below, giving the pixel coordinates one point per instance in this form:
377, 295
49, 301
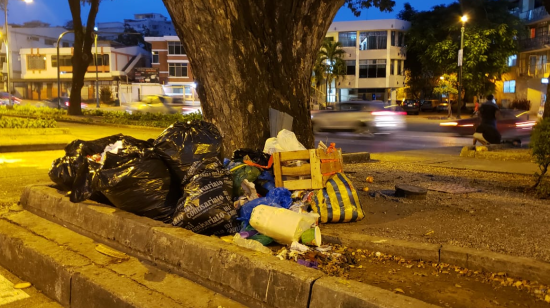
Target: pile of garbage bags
178, 178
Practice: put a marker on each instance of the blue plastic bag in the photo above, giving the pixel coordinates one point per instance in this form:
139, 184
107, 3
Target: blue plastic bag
278, 197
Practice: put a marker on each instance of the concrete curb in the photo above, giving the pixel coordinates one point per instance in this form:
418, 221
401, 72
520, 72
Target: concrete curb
520, 267
256, 279
86, 278
32, 147
356, 158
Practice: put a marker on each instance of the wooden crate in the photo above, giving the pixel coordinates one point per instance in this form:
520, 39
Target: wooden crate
312, 174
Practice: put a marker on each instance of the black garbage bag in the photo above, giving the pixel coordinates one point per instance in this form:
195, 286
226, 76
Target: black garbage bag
206, 206
63, 172
86, 165
182, 144
138, 181
256, 156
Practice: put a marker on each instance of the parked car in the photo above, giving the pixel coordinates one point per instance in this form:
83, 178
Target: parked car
360, 117
434, 105
512, 124
411, 106
62, 101
152, 104
4, 97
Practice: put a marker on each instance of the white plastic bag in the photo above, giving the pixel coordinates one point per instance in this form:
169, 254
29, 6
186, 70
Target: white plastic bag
284, 226
288, 141
272, 146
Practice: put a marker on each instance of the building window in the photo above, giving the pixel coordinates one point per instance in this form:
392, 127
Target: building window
177, 69
399, 67
350, 67
509, 86
33, 38
393, 38
175, 48
102, 60
512, 60
400, 39
392, 67
329, 38
348, 39
532, 65
155, 57
50, 42
373, 40
36, 62
66, 44
64, 60
532, 33
372, 68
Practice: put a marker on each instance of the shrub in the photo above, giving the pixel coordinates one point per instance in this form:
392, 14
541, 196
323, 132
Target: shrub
540, 146
520, 104
105, 95
6, 122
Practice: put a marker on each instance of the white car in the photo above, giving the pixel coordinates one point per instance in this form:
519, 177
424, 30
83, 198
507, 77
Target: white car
362, 117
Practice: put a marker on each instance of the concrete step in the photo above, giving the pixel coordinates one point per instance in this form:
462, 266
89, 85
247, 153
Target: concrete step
66, 266
257, 279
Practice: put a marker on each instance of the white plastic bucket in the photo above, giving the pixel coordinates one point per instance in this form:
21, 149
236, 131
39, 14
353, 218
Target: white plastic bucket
284, 226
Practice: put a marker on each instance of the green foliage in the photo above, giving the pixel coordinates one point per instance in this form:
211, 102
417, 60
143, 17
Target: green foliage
447, 85
520, 104
330, 57
356, 5
433, 42
9, 122
540, 147
105, 94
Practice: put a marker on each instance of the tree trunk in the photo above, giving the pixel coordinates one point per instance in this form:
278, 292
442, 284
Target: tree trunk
249, 55
546, 112
82, 56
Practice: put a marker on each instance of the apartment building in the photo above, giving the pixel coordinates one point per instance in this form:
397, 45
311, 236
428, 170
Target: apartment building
30, 36
151, 24
115, 63
375, 56
529, 68
168, 55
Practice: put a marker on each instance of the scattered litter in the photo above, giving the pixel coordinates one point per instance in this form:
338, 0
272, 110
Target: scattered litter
398, 290
108, 251
369, 179
283, 225
250, 244
430, 233
295, 246
22, 285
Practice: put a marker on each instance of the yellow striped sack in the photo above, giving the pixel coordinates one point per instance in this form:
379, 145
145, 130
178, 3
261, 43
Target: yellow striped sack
338, 202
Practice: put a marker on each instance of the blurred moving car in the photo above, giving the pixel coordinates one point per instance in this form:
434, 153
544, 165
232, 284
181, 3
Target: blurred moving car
411, 106
62, 101
361, 117
4, 97
152, 104
512, 124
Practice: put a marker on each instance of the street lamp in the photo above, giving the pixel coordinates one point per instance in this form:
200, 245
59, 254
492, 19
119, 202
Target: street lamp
96, 70
460, 57
6, 40
58, 73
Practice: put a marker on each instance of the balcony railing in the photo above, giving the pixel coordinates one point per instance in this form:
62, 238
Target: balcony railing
534, 14
535, 43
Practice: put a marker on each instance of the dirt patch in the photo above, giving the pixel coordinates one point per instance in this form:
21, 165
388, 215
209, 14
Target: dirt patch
502, 217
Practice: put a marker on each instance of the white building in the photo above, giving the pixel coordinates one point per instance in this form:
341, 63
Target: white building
151, 24
375, 56
110, 30
39, 69
29, 37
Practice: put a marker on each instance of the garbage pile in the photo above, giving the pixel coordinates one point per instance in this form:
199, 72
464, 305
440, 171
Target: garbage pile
178, 178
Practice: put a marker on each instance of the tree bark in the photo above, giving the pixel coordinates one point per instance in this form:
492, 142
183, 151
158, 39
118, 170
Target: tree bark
250, 55
82, 55
546, 111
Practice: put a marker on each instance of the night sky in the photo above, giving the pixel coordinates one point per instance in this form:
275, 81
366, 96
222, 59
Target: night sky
56, 12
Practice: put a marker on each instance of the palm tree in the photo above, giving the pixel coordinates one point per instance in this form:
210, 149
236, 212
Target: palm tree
331, 55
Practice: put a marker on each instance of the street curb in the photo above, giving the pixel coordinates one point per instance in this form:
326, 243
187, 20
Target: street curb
259, 280
32, 147
356, 158
473, 259
75, 280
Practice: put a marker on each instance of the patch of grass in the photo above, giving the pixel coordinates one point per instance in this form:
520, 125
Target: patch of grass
27, 123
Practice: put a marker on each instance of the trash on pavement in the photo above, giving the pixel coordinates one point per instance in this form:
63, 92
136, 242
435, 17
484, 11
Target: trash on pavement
240, 173
311, 237
283, 225
249, 190
108, 251
311, 264
369, 179
256, 157
295, 246
206, 206
22, 285
285, 141
250, 244
182, 144
338, 202
278, 197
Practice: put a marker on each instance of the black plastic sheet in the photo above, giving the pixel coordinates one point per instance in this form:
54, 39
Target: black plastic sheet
182, 144
206, 206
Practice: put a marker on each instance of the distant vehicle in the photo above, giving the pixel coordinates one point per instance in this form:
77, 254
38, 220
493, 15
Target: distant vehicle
434, 105
4, 96
363, 117
411, 106
513, 123
152, 104
62, 101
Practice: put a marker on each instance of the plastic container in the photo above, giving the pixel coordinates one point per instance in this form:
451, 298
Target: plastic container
284, 226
